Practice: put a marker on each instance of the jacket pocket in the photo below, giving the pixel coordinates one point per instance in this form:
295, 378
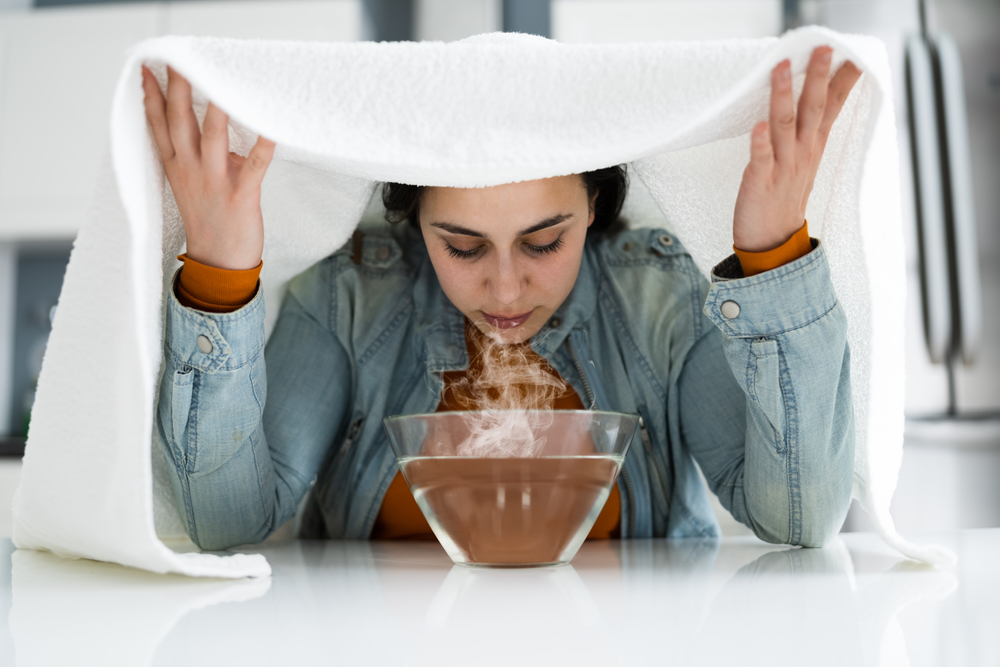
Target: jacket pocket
180, 407
765, 386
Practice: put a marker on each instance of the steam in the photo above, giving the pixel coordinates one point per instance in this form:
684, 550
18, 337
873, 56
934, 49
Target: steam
503, 384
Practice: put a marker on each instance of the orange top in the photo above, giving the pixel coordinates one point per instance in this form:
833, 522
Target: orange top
759, 262
216, 290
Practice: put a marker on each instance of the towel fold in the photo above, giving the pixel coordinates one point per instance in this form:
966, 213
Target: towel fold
484, 111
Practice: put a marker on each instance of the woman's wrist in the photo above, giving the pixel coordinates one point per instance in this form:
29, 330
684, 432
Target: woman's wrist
796, 246
764, 240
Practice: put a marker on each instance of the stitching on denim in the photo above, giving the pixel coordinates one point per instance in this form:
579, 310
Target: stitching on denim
775, 433
242, 313
179, 456
735, 334
751, 376
791, 449
700, 526
696, 305
647, 370
763, 279
260, 481
183, 465
669, 263
810, 262
191, 454
256, 398
388, 331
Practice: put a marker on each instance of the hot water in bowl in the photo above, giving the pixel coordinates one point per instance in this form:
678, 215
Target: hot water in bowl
511, 488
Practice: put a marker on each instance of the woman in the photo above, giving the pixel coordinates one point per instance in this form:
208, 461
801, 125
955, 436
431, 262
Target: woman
748, 376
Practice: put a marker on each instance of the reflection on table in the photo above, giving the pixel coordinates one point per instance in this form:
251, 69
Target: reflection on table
726, 602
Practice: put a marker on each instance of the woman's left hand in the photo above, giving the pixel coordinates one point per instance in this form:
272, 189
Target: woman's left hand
785, 152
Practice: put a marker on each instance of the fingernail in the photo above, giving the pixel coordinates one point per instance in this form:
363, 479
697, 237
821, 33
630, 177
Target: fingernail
786, 72
825, 57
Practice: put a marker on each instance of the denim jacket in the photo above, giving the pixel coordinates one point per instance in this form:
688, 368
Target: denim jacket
746, 377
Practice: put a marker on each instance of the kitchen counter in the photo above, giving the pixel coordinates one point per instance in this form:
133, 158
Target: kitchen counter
736, 601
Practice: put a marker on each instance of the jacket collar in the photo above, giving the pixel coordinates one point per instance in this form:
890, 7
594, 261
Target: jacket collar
441, 326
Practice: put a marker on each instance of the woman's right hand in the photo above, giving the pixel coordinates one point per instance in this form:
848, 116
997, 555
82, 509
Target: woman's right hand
217, 192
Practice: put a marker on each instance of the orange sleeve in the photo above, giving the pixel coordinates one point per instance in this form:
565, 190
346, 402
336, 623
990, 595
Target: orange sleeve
213, 290
789, 251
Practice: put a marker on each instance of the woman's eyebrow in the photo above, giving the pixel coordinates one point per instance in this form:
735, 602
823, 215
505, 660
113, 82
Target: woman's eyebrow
452, 228
544, 224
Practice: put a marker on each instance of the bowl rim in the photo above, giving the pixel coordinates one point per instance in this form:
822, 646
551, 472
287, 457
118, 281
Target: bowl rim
393, 418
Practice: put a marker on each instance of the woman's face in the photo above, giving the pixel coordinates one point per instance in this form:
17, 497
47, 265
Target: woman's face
507, 256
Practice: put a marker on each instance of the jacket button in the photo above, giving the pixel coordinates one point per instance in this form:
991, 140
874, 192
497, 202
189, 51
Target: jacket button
665, 240
730, 310
383, 252
555, 322
627, 247
204, 344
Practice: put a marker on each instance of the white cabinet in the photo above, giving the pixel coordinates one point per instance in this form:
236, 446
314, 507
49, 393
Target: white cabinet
307, 20
449, 20
575, 21
58, 70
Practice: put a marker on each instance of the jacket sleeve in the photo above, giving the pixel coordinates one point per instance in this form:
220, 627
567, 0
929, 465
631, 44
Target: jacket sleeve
239, 462
766, 406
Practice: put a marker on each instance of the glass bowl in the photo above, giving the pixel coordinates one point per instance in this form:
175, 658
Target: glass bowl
511, 488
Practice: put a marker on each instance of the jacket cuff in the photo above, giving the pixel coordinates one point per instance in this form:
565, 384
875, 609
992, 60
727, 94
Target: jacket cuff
213, 341
798, 245
785, 298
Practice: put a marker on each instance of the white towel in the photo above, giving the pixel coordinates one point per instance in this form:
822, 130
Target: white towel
484, 111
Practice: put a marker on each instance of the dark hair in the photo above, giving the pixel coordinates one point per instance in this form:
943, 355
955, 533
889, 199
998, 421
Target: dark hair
402, 202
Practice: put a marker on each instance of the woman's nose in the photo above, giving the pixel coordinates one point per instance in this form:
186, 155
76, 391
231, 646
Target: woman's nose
505, 282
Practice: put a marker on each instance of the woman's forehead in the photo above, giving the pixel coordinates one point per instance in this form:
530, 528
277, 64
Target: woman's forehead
512, 207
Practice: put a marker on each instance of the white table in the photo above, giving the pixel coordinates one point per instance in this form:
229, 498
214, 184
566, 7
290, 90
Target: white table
733, 602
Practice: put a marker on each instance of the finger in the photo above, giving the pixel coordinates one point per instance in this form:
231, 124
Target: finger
156, 114
215, 141
180, 117
782, 115
256, 164
812, 103
761, 152
840, 87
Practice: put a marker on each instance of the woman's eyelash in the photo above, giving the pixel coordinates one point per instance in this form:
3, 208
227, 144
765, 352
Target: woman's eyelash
475, 252
544, 249
463, 254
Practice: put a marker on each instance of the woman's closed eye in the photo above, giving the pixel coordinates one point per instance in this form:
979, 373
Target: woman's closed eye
530, 248
545, 249
463, 254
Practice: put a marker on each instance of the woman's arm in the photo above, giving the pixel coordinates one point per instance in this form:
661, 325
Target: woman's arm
765, 402
766, 395
239, 461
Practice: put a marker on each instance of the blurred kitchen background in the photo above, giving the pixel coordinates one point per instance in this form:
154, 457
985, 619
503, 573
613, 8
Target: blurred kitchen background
59, 61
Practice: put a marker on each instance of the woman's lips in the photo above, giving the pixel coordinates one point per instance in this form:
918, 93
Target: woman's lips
507, 322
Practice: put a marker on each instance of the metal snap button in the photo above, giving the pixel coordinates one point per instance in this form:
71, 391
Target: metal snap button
555, 322
383, 252
665, 240
204, 344
730, 310
627, 247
